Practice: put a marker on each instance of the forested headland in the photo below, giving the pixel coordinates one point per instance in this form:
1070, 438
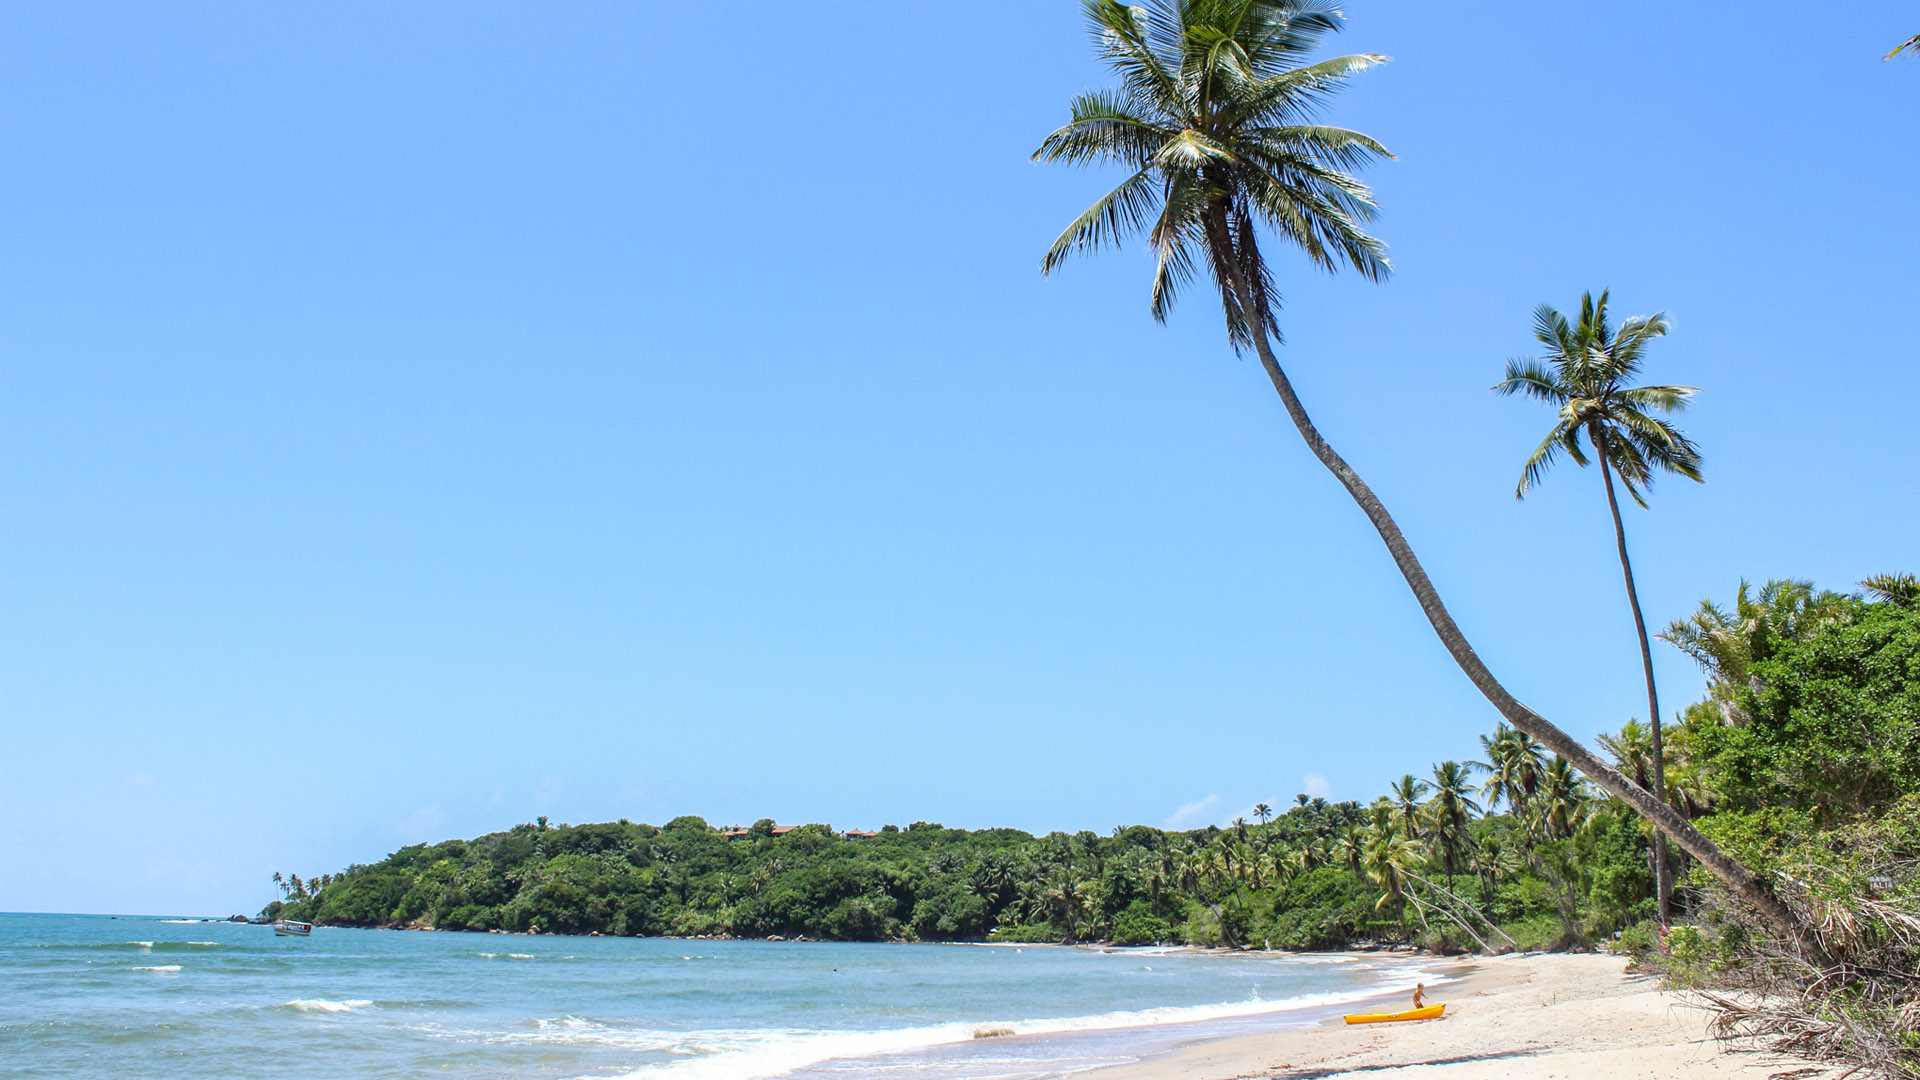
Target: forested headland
1807, 744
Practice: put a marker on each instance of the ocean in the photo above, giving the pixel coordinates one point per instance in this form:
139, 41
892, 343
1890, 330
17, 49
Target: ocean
169, 999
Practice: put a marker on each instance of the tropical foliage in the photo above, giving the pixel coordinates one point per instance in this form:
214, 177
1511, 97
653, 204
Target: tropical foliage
1804, 761
1421, 863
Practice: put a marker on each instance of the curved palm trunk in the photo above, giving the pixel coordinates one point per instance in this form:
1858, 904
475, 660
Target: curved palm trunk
1738, 878
1659, 765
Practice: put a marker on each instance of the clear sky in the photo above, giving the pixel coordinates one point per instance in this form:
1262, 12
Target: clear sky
418, 418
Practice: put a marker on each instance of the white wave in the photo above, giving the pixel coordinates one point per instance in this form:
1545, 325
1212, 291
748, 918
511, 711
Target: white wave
157, 967
519, 956
323, 1005
180, 922
753, 1054
141, 944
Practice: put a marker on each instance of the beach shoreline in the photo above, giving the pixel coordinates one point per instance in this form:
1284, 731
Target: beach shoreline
1526, 1017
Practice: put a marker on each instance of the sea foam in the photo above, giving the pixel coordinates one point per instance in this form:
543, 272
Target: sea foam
755, 1054
325, 1006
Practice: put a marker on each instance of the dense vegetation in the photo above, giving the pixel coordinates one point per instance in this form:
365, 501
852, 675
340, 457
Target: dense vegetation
1322, 874
1804, 761
1812, 724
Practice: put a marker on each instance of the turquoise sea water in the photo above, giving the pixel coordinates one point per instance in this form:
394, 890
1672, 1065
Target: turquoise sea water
94, 996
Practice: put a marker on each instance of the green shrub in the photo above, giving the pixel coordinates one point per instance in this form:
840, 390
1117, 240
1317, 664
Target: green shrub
1138, 925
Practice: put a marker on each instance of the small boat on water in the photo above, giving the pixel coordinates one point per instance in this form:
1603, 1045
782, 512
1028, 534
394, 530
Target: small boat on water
289, 928
1431, 1012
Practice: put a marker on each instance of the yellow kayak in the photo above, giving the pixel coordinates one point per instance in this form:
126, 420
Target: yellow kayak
1431, 1012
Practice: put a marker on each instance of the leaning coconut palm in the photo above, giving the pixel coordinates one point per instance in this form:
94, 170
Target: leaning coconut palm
1587, 376
1214, 121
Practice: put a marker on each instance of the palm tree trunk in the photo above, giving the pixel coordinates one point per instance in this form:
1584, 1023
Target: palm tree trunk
1659, 765
1743, 882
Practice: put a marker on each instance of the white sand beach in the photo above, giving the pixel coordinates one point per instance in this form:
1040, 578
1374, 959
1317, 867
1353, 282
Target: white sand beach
1510, 1018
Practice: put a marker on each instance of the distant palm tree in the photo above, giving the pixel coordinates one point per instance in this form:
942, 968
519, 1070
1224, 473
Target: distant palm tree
1587, 376
1262, 811
1214, 121
1493, 859
1287, 865
1389, 857
1352, 847
1300, 799
1564, 799
1405, 794
1513, 766
1632, 750
1452, 806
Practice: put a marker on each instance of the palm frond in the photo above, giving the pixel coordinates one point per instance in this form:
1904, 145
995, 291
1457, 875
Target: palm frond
1295, 96
1145, 71
1542, 459
1103, 125
1670, 399
1550, 328
1274, 146
1173, 238
1636, 334
1659, 443
1320, 210
1107, 222
1531, 378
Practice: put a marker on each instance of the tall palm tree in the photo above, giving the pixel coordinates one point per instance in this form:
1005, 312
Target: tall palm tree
1214, 122
1452, 806
1587, 376
1262, 811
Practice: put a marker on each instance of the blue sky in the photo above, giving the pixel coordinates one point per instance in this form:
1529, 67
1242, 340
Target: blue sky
418, 420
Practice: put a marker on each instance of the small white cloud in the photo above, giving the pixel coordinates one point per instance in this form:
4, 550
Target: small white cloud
140, 779
1316, 785
1190, 811
416, 828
